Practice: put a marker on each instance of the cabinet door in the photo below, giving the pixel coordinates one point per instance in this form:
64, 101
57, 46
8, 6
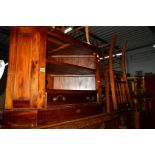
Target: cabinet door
26, 72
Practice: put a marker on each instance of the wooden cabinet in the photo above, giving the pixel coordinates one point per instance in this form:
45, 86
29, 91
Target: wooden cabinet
52, 77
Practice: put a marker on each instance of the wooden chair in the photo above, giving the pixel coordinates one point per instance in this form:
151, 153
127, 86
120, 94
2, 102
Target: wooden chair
86, 31
117, 93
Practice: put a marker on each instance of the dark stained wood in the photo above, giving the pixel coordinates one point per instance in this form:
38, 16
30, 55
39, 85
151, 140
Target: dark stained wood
19, 119
56, 97
83, 61
99, 121
67, 117
67, 112
61, 47
113, 123
68, 50
98, 81
21, 104
106, 85
149, 87
136, 120
124, 73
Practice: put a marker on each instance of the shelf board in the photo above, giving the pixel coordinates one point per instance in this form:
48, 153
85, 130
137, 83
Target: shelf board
60, 68
69, 50
60, 43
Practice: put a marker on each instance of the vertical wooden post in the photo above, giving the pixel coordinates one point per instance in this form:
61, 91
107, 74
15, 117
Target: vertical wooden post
87, 34
136, 120
42, 65
112, 82
107, 97
123, 66
98, 81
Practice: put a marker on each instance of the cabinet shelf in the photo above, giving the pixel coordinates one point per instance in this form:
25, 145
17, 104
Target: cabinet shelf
66, 49
60, 68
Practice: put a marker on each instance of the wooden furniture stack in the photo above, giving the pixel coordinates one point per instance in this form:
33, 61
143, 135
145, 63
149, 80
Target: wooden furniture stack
52, 78
142, 101
113, 71
115, 81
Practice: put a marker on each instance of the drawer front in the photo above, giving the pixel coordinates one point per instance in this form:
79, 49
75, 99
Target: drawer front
46, 117
19, 119
54, 98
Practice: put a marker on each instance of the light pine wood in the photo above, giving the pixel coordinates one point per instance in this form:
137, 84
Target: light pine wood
87, 34
74, 83
76, 29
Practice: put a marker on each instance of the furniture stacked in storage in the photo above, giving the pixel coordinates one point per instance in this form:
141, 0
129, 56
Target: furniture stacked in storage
53, 79
71, 80
115, 84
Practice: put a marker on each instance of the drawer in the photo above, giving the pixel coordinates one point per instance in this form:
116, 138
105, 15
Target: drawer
58, 97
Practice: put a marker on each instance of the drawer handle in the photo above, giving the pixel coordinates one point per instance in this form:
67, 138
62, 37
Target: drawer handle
59, 98
90, 98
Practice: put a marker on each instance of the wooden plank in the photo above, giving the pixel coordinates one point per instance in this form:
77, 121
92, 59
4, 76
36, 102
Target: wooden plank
56, 97
107, 96
70, 50
76, 29
74, 83
42, 74
98, 81
55, 41
34, 62
59, 48
62, 113
136, 120
88, 62
55, 67
123, 66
